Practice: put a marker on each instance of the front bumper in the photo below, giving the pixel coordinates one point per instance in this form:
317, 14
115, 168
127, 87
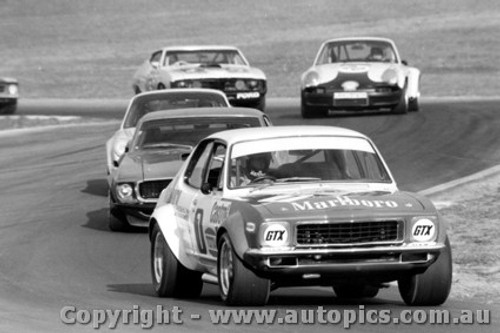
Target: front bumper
245, 99
374, 99
137, 215
386, 263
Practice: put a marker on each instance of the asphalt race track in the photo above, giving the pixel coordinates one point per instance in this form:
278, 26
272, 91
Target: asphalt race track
56, 250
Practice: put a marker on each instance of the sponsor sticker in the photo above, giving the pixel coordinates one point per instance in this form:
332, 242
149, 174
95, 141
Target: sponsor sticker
275, 234
247, 95
423, 230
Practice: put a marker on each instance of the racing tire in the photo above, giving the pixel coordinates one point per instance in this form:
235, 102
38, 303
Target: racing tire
413, 105
402, 106
137, 90
8, 108
238, 285
161, 86
432, 287
313, 112
261, 104
355, 291
116, 220
170, 277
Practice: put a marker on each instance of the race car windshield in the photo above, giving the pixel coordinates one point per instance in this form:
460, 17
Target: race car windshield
351, 160
204, 57
170, 101
357, 51
185, 133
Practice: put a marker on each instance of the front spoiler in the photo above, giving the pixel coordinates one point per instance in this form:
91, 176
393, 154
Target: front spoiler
388, 261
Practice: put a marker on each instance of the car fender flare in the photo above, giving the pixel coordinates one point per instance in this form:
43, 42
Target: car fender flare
234, 226
166, 219
413, 81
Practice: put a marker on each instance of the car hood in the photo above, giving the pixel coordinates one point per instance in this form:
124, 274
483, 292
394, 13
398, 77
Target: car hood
7, 80
333, 204
150, 165
373, 70
225, 71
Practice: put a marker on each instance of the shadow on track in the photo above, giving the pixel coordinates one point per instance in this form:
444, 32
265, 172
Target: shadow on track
98, 187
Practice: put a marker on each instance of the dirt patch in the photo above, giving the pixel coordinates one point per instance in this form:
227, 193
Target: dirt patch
472, 211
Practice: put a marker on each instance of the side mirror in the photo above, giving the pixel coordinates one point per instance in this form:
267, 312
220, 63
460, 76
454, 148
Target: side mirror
404, 62
155, 64
206, 188
184, 156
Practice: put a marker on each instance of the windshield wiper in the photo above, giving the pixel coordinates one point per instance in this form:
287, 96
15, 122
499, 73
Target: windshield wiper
167, 146
297, 179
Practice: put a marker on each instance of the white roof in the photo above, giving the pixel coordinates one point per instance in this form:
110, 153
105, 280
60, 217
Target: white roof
360, 38
238, 135
200, 47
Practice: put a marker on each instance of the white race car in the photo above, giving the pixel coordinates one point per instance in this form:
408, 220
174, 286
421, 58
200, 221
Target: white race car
258, 209
359, 73
217, 67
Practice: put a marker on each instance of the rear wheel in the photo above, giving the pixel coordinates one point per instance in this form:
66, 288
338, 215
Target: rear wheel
137, 90
161, 86
432, 287
170, 277
238, 285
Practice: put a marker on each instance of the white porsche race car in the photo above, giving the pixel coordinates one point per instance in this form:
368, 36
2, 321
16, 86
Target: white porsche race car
360, 73
217, 67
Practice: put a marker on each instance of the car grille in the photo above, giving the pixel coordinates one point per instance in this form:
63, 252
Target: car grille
347, 233
152, 189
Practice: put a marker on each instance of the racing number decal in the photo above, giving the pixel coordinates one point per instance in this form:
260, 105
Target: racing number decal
198, 230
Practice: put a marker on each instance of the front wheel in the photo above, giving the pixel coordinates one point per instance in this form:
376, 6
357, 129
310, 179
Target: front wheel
313, 112
116, 219
170, 277
238, 285
413, 104
261, 104
432, 287
161, 86
402, 106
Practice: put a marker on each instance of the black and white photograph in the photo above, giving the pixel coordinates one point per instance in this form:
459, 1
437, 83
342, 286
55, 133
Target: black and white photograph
230, 165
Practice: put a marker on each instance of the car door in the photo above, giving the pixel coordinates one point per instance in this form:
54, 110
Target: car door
188, 195
209, 207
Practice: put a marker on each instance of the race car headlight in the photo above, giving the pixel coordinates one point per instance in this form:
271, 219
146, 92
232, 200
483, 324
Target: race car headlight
423, 229
240, 85
275, 234
125, 192
390, 76
13, 89
311, 79
253, 84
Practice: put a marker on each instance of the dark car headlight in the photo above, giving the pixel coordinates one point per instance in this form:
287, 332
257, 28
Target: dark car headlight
125, 193
187, 84
390, 76
13, 89
311, 79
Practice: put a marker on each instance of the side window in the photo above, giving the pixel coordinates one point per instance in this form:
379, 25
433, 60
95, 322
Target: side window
267, 121
197, 165
155, 58
214, 175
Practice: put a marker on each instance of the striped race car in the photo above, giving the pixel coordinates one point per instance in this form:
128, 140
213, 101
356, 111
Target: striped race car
253, 210
224, 68
355, 74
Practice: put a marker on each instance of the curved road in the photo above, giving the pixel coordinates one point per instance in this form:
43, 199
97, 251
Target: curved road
56, 250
